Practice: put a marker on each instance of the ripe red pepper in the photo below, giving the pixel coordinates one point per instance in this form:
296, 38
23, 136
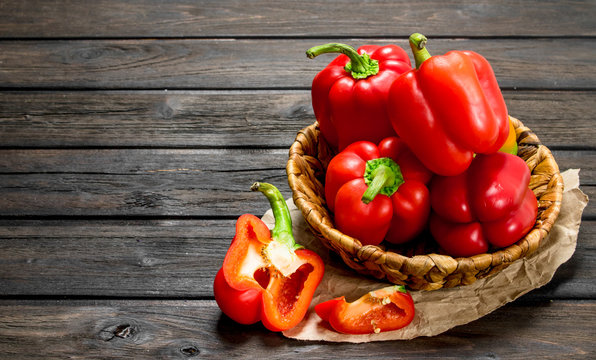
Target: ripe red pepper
349, 96
378, 192
488, 204
387, 309
448, 108
265, 275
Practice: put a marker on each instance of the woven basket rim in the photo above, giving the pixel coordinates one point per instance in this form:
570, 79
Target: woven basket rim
429, 271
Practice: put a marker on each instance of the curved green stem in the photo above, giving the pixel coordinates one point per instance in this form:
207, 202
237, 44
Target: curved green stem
282, 231
360, 66
418, 46
383, 176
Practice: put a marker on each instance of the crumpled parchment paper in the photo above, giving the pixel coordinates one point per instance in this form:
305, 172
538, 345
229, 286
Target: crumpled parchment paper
440, 310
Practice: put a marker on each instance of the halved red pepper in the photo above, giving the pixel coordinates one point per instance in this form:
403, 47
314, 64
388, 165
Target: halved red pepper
387, 309
490, 204
378, 192
266, 276
349, 96
448, 109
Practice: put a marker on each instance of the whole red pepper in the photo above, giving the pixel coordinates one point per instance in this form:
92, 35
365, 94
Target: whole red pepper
378, 192
349, 96
386, 309
448, 108
265, 275
490, 204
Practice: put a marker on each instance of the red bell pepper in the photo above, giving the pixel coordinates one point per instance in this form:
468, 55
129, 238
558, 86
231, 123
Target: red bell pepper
448, 108
378, 192
490, 204
387, 309
349, 96
265, 275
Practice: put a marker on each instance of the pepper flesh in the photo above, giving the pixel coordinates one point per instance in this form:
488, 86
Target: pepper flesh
265, 275
349, 96
378, 192
490, 204
448, 109
386, 309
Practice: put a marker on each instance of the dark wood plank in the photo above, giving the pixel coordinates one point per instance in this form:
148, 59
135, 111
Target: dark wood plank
138, 182
154, 118
259, 64
181, 329
140, 258
162, 182
590, 210
559, 119
574, 279
583, 160
265, 118
153, 18
172, 258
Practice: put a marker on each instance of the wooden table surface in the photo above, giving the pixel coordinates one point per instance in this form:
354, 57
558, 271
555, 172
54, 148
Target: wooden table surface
130, 133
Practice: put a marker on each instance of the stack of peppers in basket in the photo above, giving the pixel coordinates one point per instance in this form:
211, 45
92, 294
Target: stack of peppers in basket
430, 147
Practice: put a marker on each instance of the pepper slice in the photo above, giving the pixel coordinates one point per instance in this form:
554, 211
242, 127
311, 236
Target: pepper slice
265, 275
386, 309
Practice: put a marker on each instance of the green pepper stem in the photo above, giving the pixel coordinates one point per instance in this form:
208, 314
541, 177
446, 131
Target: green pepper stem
360, 66
383, 176
282, 231
418, 46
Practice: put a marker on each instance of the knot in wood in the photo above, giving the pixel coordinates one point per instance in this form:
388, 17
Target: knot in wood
190, 351
122, 331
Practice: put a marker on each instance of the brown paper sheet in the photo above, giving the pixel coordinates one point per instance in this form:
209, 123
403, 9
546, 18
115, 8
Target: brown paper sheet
440, 310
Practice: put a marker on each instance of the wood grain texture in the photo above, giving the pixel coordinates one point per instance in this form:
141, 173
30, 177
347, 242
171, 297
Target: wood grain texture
264, 63
264, 118
572, 277
113, 329
139, 258
139, 182
590, 210
153, 18
173, 258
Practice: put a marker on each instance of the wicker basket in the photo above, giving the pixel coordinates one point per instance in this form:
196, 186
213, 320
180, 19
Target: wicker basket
420, 265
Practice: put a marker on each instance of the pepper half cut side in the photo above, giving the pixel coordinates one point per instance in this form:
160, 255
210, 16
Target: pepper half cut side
266, 275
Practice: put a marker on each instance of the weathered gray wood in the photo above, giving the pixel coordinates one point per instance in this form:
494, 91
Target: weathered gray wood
590, 210
266, 118
264, 64
583, 160
294, 18
150, 258
154, 118
161, 182
139, 182
172, 258
574, 278
114, 329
